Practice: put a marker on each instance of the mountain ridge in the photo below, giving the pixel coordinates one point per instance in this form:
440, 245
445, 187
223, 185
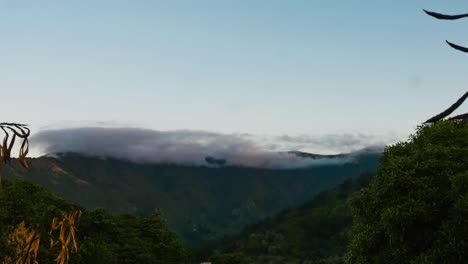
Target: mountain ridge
220, 160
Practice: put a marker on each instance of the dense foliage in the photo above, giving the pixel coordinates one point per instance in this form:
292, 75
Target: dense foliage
416, 209
317, 232
102, 237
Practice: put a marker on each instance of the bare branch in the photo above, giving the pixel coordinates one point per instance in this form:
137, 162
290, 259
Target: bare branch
445, 17
463, 117
457, 47
449, 110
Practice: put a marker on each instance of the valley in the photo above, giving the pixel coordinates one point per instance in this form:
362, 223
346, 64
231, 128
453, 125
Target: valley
202, 203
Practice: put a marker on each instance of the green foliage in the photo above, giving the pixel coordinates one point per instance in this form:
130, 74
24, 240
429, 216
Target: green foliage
317, 232
416, 209
127, 239
101, 236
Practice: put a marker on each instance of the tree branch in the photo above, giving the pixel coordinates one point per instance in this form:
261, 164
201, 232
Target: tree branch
460, 48
445, 17
449, 110
463, 117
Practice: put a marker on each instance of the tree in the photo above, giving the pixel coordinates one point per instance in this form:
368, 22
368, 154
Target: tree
416, 208
101, 237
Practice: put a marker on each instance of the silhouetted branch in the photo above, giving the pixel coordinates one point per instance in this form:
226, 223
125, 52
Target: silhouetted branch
463, 117
457, 47
449, 110
445, 17
449, 17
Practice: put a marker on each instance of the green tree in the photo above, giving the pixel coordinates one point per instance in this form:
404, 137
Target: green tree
416, 208
102, 237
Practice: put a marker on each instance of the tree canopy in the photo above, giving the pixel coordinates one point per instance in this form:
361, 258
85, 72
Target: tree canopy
416, 208
102, 237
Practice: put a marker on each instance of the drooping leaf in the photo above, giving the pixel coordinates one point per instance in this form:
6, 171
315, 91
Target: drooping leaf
445, 17
24, 153
457, 47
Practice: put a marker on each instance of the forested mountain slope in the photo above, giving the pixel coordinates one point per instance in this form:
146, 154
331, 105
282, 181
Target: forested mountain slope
201, 203
317, 232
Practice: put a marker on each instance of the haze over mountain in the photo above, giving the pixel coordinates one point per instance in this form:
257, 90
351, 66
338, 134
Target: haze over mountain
187, 147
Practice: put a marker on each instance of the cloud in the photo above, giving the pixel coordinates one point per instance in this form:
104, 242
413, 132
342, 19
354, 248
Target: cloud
187, 146
335, 143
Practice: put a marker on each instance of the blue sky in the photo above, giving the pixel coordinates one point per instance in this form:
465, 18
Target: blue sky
260, 67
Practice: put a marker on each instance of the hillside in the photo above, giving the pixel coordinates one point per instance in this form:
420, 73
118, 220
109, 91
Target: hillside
101, 237
317, 232
201, 203
413, 211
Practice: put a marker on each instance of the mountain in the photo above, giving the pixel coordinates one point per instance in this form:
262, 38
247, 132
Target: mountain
317, 232
201, 203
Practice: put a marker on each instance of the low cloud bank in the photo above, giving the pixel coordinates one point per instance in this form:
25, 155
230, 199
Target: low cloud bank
186, 146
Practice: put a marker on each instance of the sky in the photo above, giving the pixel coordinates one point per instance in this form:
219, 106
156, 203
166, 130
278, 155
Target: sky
277, 68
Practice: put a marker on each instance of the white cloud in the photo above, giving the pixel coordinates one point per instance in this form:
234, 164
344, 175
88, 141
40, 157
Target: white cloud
192, 147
